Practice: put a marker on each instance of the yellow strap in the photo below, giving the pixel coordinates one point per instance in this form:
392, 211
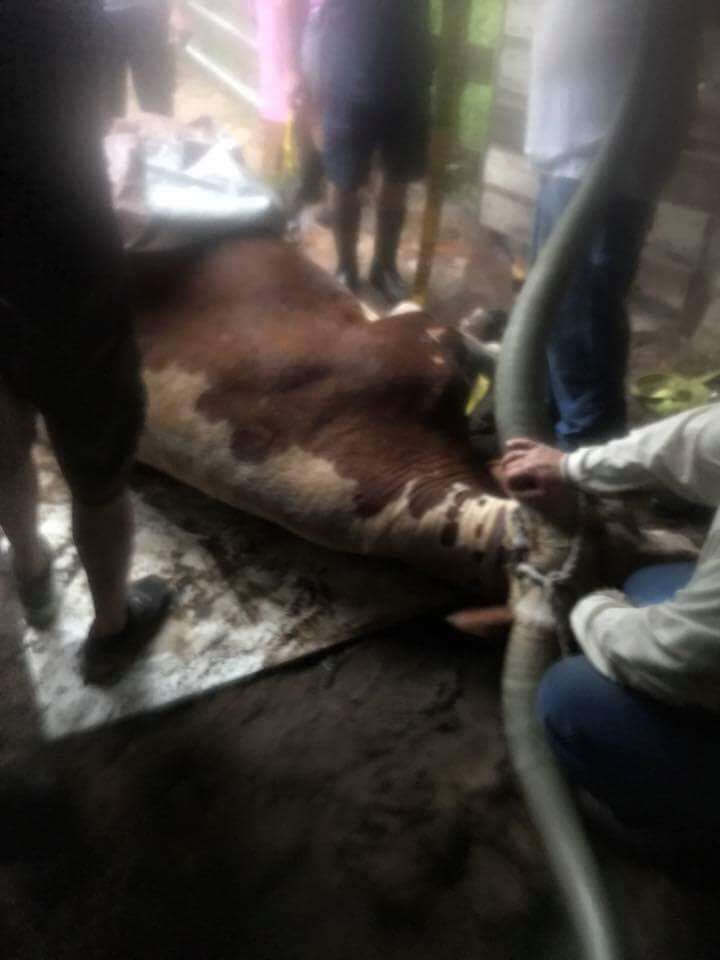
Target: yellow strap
480, 390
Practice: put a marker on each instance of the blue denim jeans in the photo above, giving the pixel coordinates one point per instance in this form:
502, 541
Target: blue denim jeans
588, 348
655, 765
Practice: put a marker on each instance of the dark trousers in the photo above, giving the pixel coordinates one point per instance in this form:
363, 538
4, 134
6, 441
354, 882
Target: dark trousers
139, 40
589, 346
657, 766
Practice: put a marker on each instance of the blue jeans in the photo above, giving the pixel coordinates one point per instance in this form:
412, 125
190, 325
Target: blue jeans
589, 345
653, 764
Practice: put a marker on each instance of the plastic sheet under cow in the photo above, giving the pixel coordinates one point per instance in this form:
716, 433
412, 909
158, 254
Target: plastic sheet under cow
177, 185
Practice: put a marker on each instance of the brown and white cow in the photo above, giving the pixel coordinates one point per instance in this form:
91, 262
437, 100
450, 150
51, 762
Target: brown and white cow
268, 389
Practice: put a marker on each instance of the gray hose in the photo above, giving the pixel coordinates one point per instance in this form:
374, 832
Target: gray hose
531, 650
552, 806
520, 412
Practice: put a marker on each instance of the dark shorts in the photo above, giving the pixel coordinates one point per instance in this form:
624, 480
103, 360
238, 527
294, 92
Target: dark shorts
89, 394
354, 132
66, 339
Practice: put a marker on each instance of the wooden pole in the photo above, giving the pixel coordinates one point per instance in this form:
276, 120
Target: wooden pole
450, 79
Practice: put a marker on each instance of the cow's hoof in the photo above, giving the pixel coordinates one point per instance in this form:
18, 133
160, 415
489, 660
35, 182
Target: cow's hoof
389, 283
348, 278
490, 623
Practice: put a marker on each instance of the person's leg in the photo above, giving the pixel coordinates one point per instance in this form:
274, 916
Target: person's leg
31, 562
311, 175
658, 583
654, 765
94, 432
403, 136
308, 119
391, 210
347, 153
68, 344
19, 487
151, 56
115, 64
346, 211
103, 534
78, 331
104, 537
94, 435
554, 196
550, 203
614, 260
588, 348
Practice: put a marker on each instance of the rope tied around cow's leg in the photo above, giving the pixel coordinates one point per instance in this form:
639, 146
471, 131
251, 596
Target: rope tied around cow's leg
532, 562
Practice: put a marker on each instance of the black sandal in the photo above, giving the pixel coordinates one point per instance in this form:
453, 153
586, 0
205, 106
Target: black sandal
106, 659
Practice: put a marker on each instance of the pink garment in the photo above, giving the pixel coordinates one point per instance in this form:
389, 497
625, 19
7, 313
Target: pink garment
273, 56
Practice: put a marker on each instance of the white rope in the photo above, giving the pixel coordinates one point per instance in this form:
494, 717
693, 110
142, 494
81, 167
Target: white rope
552, 582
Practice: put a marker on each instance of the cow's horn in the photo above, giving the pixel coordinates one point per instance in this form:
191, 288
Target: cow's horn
520, 412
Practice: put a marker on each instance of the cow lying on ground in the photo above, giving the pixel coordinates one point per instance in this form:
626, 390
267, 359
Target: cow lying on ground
269, 390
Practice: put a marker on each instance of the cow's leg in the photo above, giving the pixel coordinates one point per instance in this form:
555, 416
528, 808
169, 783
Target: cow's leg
384, 275
489, 623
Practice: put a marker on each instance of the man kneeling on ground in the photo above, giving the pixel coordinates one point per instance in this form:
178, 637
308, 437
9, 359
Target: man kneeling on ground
635, 719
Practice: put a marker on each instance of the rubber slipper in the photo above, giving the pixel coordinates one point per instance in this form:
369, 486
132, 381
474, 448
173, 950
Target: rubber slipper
106, 659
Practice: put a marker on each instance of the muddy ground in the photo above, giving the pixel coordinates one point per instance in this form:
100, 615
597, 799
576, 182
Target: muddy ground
357, 807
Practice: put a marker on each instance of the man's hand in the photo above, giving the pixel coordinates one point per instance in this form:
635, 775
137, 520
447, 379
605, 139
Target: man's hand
533, 472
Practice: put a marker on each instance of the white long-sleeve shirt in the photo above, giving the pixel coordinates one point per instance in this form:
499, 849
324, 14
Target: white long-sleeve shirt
672, 650
580, 67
